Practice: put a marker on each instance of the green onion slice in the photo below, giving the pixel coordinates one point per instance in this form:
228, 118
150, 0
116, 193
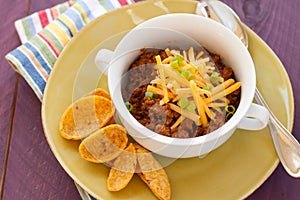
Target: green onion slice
183, 103
174, 64
129, 106
150, 94
187, 74
178, 58
214, 77
230, 109
191, 107
207, 87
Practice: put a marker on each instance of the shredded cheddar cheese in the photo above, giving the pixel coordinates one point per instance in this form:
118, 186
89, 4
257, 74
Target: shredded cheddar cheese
163, 80
195, 79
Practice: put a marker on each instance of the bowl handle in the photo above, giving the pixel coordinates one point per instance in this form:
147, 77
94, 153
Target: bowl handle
256, 118
102, 60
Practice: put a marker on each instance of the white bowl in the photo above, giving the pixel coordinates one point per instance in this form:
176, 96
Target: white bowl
170, 29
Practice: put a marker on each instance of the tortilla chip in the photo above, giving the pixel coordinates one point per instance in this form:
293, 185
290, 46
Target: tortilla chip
100, 92
105, 144
152, 173
123, 169
103, 93
85, 116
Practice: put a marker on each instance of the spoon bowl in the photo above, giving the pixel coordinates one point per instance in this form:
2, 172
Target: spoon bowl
223, 14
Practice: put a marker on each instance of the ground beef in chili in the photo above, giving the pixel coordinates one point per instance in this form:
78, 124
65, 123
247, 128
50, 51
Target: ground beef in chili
160, 118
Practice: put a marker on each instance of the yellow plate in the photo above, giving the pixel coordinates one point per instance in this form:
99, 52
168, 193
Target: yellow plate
233, 171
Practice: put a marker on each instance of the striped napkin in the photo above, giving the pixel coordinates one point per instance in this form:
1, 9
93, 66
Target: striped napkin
44, 35
29, 26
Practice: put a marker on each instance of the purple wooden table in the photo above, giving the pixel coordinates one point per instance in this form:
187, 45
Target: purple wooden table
31, 170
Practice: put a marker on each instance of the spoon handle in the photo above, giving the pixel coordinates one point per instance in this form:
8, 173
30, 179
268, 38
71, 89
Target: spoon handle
286, 145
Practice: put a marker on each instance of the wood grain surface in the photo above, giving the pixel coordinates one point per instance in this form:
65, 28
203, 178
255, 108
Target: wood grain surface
33, 172
9, 40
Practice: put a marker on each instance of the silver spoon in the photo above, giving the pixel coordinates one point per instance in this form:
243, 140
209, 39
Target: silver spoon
286, 145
